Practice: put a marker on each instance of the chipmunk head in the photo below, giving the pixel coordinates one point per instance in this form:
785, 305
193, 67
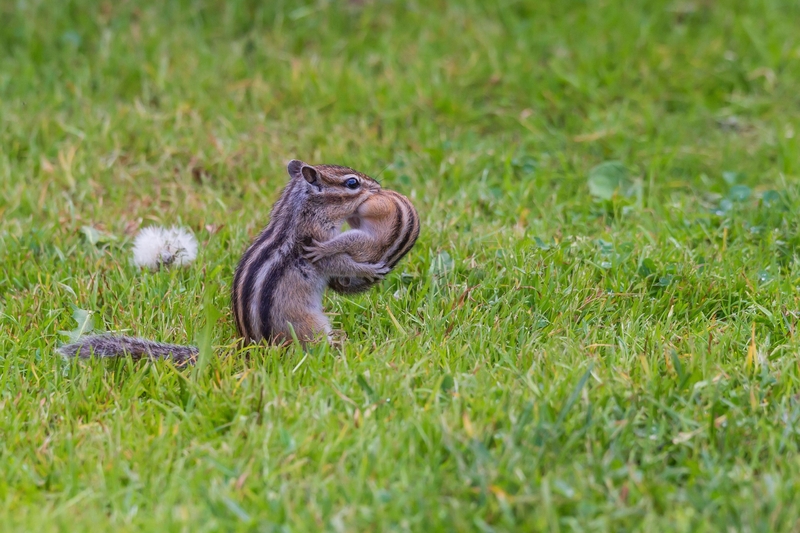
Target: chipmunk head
340, 189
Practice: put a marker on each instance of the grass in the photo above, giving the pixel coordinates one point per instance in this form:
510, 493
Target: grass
568, 347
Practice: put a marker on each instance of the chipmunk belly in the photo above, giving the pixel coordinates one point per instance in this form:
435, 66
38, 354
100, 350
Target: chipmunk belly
294, 302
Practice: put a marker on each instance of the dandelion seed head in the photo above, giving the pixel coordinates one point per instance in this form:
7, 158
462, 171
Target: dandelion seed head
156, 246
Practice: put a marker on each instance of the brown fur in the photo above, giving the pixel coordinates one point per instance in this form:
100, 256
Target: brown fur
276, 289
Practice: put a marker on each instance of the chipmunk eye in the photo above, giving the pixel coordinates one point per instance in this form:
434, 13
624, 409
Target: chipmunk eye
352, 183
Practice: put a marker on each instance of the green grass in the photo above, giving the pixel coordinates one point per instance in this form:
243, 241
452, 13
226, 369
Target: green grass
549, 357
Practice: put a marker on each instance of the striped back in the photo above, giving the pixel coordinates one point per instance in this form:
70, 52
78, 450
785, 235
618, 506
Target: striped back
262, 264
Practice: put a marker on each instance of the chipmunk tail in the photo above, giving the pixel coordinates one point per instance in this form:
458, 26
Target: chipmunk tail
107, 346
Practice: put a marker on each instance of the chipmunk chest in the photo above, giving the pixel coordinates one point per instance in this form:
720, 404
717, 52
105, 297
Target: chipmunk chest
322, 230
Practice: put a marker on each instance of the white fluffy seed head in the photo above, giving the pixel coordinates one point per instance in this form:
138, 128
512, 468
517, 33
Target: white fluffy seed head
156, 246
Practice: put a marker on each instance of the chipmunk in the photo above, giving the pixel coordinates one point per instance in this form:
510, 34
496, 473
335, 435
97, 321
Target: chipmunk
276, 289
384, 228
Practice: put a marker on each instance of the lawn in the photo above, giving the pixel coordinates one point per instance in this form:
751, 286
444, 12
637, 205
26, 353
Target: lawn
596, 331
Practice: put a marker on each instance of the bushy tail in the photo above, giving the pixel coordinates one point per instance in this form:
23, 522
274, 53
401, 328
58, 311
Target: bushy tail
111, 346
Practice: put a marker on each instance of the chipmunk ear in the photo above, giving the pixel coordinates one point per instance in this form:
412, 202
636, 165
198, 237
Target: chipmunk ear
297, 168
294, 168
310, 174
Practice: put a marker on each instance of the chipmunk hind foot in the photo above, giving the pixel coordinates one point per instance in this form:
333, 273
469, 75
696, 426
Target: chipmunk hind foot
337, 338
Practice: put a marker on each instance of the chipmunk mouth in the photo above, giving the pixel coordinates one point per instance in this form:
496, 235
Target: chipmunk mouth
363, 201
356, 215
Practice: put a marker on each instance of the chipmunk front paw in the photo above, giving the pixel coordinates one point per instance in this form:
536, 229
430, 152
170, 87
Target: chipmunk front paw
314, 251
377, 271
383, 269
